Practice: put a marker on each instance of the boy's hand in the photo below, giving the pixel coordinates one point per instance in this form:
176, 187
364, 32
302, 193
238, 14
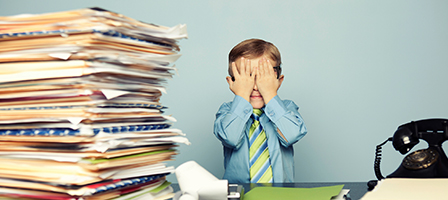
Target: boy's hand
266, 80
244, 79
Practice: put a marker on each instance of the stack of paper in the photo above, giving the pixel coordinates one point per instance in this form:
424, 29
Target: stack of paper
408, 189
80, 116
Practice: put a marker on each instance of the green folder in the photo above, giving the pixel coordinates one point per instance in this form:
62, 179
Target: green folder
286, 193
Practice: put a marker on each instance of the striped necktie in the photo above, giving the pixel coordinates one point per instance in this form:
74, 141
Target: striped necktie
260, 166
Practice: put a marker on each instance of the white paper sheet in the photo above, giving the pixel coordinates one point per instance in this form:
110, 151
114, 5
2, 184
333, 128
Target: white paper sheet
196, 183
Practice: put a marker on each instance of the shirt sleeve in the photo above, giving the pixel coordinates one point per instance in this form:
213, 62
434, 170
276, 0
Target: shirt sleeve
287, 119
230, 122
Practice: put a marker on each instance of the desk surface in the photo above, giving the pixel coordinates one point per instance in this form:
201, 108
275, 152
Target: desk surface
357, 189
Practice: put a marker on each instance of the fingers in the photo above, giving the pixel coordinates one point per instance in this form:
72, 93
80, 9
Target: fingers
245, 66
269, 67
261, 67
265, 67
234, 70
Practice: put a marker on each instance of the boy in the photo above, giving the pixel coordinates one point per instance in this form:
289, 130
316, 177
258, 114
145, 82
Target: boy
257, 148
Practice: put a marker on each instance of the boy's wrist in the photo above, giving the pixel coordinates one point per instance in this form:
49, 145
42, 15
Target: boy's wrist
268, 97
275, 109
241, 107
244, 96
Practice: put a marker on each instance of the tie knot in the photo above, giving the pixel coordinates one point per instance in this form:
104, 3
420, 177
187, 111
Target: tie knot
257, 113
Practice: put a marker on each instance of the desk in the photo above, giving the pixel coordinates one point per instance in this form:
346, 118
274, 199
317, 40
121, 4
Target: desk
357, 189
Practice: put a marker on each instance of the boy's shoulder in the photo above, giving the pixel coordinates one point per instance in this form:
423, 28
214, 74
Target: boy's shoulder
287, 101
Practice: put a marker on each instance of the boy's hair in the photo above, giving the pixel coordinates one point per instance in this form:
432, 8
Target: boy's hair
254, 48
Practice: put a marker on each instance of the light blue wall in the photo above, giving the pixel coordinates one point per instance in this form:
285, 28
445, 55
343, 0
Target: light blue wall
357, 69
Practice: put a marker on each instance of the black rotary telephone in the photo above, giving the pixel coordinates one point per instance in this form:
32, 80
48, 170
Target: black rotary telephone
425, 163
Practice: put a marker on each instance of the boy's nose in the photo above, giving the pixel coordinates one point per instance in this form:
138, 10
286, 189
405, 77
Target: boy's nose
255, 87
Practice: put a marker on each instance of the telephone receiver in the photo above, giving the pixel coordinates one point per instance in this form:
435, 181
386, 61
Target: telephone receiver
425, 163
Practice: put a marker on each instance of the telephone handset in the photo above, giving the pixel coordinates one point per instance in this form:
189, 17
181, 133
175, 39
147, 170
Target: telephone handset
425, 163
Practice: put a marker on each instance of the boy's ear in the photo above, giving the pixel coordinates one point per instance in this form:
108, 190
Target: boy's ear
280, 79
229, 79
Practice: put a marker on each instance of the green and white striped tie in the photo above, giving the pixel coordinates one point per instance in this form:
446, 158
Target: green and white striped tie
260, 165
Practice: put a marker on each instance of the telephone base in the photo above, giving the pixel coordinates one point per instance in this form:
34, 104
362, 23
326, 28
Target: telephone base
371, 184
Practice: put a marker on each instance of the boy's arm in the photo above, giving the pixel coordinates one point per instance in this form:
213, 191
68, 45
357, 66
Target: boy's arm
230, 122
287, 120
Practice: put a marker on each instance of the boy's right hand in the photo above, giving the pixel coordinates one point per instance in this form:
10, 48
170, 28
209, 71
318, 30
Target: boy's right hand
244, 79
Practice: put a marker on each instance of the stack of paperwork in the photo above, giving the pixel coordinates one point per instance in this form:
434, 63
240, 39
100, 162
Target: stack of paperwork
80, 116
408, 189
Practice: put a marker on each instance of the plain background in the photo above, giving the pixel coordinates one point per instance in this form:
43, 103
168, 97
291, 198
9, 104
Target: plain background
357, 70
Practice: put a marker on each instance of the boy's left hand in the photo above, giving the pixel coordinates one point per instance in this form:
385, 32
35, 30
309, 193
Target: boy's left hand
266, 80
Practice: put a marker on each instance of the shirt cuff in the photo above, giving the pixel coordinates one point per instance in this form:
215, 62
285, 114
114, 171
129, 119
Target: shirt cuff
241, 107
275, 109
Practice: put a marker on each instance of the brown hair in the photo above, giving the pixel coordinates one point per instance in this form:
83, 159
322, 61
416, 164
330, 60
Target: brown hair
254, 48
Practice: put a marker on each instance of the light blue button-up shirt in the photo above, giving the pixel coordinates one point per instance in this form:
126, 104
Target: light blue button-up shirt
232, 129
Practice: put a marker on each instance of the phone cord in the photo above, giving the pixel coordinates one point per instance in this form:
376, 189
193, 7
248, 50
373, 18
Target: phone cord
376, 166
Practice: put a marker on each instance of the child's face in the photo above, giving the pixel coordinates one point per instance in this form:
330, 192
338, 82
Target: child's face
256, 99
